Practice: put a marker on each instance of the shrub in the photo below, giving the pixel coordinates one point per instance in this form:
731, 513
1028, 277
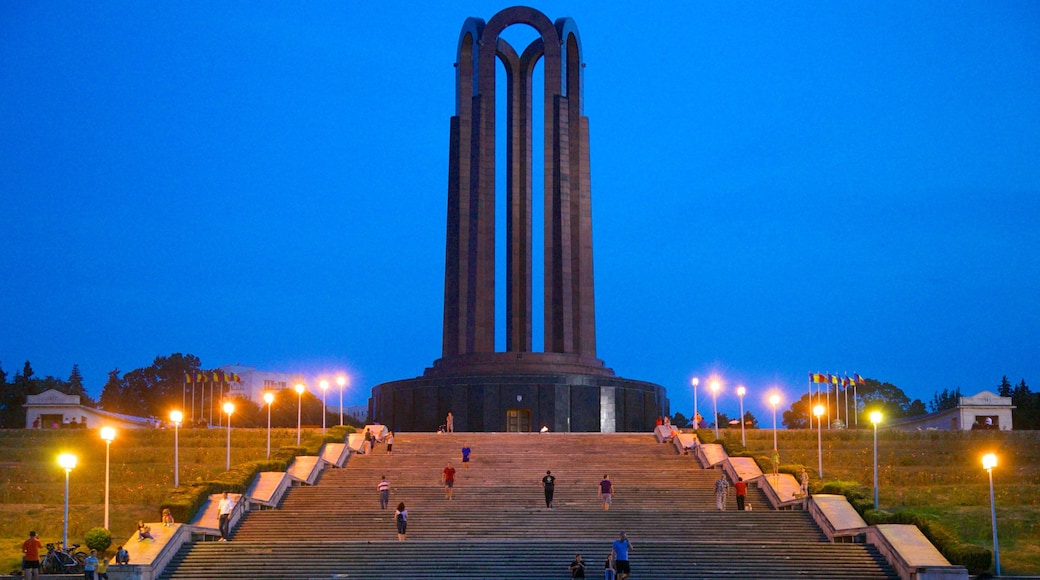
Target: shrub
98, 539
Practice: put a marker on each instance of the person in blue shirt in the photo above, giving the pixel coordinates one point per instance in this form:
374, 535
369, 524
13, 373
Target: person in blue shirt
621, 547
465, 455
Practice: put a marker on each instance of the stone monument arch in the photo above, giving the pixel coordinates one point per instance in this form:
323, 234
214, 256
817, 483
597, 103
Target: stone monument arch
565, 387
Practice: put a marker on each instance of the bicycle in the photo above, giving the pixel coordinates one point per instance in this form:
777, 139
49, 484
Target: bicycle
60, 561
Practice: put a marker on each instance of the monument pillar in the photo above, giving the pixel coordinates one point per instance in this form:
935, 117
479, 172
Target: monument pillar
565, 385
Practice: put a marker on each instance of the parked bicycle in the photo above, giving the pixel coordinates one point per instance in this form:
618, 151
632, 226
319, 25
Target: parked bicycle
60, 561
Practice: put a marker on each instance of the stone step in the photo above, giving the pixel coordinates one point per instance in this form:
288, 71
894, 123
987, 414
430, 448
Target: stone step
524, 559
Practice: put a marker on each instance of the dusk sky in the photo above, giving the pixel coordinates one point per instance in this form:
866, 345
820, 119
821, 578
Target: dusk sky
777, 188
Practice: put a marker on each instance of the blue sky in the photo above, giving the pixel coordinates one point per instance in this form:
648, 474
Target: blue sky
777, 188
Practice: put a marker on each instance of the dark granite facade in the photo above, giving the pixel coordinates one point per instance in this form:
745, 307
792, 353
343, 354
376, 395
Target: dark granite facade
565, 388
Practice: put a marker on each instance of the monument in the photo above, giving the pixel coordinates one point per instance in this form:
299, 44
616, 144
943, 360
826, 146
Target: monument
565, 387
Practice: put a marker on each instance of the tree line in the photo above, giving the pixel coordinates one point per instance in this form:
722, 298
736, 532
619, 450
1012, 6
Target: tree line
157, 389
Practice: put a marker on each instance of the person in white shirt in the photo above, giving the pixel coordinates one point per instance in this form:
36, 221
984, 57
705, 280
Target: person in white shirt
224, 509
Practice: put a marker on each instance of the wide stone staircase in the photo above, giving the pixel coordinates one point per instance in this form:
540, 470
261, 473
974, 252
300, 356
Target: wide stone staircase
497, 525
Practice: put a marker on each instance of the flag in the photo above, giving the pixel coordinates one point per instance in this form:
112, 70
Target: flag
817, 378
200, 378
187, 378
859, 379
844, 381
834, 379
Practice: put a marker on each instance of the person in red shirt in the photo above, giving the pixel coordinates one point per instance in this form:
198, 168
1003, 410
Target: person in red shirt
449, 481
741, 488
31, 561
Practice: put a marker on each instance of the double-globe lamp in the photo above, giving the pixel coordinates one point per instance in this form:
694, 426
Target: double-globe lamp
66, 461
774, 400
229, 408
875, 418
108, 434
989, 461
324, 387
299, 409
715, 386
176, 417
818, 411
342, 382
695, 381
741, 391
269, 399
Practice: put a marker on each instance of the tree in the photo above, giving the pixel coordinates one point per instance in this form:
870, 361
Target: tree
884, 397
680, 420
750, 421
916, 409
112, 393
1004, 389
152, 390
797, 417
946, 400
12, 397
1027, 407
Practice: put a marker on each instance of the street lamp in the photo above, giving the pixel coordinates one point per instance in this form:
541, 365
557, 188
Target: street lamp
741, 391
989, 461
342, 382
818, 411
774, 400
269, 399
875, 418
695, 381
229, 408
176, 417
324, 387
715, 405
108, 434
299, 406
67, 461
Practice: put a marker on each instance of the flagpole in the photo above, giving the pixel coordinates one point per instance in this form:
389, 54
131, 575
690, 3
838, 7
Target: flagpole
847, 402
855, 401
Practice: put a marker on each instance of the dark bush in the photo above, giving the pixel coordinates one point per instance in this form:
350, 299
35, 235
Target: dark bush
98, 539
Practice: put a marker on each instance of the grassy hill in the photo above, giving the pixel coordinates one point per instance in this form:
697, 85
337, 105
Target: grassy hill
32, 485
935, 473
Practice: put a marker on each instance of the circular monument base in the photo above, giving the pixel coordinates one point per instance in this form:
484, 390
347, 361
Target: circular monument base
520, 402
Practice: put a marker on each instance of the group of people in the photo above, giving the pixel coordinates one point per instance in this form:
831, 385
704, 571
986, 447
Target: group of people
368, 445
722, 493
94, 568
616, 566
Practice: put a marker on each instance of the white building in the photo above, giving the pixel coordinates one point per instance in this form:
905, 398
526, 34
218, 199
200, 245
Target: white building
985, 410
254, 383
54, 409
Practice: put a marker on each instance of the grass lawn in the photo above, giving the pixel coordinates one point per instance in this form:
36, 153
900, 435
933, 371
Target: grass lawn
32, 485
935, 473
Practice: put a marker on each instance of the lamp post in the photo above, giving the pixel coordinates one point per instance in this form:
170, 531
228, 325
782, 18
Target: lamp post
989, 461
299, 406
176, 417
342, 382
67, 461
324, 387
108, 434
818, 411
715, 405
229, 408
774, 400
875, 418
269, 399
695, 381
741, 391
